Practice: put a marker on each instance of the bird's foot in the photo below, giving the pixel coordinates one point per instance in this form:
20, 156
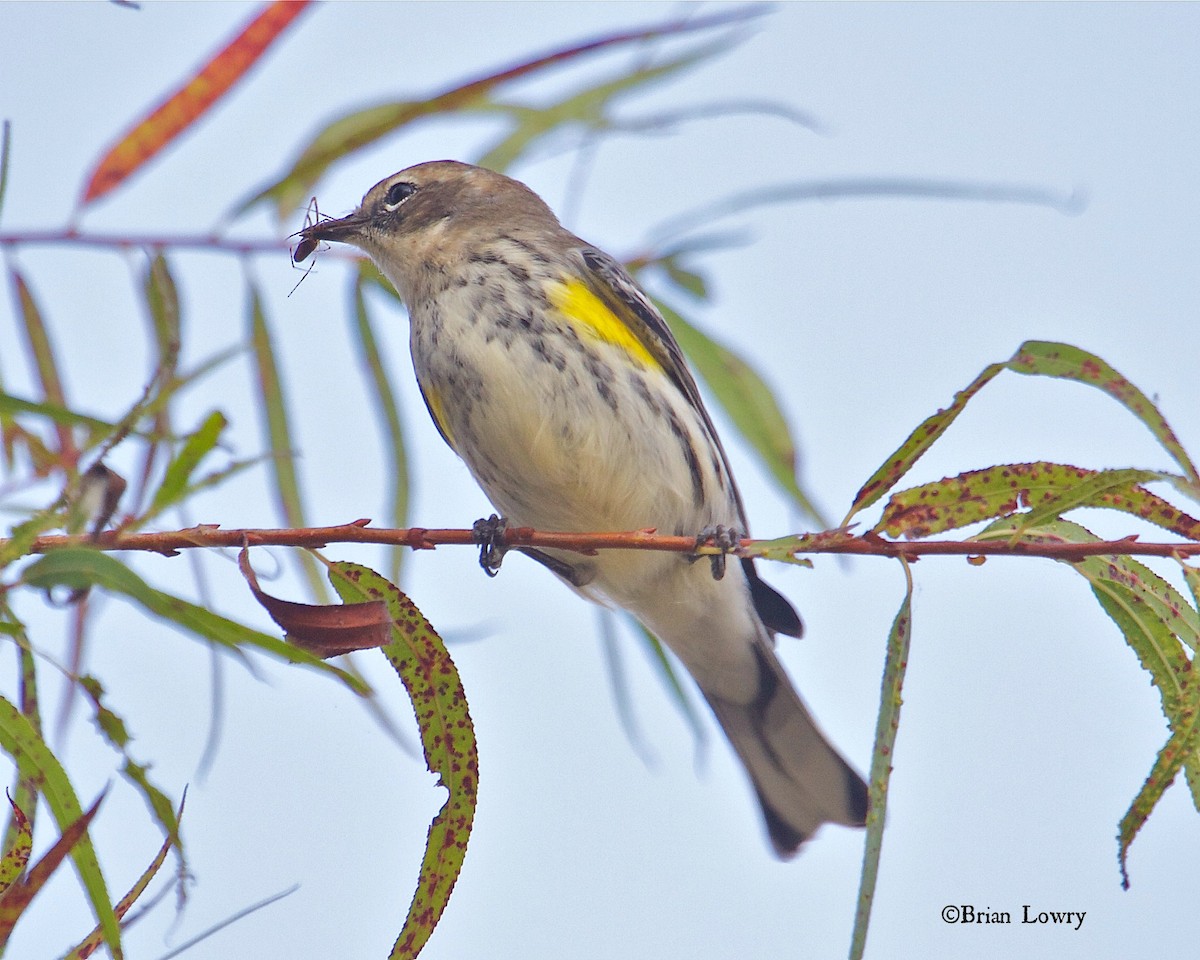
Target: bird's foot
489, 536
725, 539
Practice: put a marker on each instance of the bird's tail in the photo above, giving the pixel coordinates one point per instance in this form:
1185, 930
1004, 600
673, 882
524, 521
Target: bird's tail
801, 781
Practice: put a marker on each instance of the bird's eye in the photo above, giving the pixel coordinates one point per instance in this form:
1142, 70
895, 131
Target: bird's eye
398, 193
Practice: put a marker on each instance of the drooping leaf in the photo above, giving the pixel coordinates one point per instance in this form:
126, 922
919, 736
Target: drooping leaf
190, 102
882, 757
33, 757
1042, 358
1160, 627
421, 660
324, 630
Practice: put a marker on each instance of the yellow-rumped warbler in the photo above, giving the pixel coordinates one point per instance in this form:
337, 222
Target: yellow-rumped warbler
553, 376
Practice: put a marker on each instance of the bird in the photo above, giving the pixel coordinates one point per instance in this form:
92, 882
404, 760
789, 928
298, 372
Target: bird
556, 380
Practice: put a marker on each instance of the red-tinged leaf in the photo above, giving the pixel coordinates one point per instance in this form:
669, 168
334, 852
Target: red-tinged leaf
1046, 489
17, 897
1041, 358
12, 864
191, 101
420, 658
324, 630
1033, 358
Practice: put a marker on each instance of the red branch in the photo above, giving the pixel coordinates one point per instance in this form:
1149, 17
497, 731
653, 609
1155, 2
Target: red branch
418, 538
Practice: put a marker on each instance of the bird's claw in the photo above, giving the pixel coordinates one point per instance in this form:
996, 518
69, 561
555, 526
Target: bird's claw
725, 539
489, 536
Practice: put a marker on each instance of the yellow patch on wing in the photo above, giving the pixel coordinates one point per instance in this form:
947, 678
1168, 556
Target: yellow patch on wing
592, 317
433, 402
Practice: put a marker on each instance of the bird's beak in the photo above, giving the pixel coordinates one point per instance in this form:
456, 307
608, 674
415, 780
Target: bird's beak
342, 230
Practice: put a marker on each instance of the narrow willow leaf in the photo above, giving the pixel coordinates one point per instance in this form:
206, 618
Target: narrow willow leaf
112, 727
388, 413
886, 727
18, 898
76, 568
618, 684
175, 482
56, 413
914, 447
162, 305
1192, 578
749, 403
182, 108
674, 683
92, 942
428, 673
1044, 489
45, 363
24, 744
1041, 358
5, 154
1157, 623
586, 107
1091, 491
279, 435
853, 188
17, 849
24, 792
358, 130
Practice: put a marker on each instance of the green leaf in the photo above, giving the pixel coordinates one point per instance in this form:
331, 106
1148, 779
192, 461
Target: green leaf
1042, 358
386, 409
428, 673
55, 413
112, 728
586, 107
886, 727
279, 436
5, 154
674, 684
77, 568
749, 403
25, 745
1159, 625
91, 943
175, 482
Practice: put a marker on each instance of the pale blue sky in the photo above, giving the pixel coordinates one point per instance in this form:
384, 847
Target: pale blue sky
1028, 726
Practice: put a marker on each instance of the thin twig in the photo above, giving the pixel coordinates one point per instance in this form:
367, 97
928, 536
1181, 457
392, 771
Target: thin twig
419, 538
